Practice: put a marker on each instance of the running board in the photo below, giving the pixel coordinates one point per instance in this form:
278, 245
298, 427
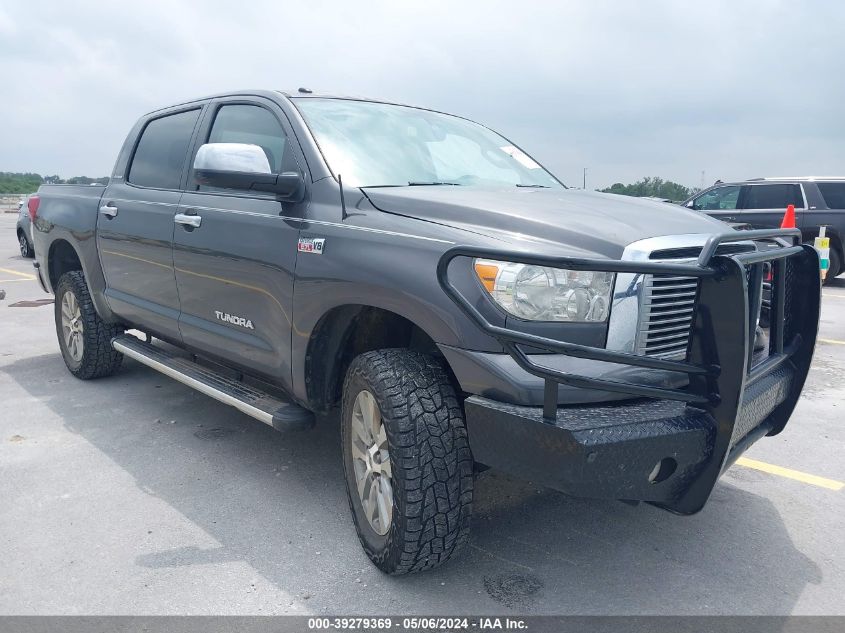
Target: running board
280, 414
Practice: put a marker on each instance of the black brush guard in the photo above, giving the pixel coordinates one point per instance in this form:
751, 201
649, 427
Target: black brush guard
669, 446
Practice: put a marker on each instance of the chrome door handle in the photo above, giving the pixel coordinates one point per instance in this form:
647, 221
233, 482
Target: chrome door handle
188, 220
108, 210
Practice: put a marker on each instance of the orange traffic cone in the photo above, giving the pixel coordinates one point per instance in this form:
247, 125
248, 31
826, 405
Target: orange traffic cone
788, 221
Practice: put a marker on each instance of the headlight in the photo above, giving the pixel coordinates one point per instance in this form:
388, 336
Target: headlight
540, 293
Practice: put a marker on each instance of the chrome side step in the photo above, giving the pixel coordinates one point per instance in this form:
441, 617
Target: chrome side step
280, 414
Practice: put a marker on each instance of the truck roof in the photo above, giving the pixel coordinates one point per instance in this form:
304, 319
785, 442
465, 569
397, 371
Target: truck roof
298, 93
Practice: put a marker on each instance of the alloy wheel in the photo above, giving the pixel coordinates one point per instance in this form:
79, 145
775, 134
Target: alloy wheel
371, 462
72, 328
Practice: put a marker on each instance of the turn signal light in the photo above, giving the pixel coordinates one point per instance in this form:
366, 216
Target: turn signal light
487, 274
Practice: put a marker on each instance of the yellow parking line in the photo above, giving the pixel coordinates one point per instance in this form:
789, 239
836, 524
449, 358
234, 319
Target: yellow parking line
15, 272
9, 281
797, 475
828, 294
832, 341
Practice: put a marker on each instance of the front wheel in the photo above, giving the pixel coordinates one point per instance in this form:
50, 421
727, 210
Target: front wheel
84, 338
408, 466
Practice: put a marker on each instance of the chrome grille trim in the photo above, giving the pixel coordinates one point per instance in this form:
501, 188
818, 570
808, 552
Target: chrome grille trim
659, 299
634, 312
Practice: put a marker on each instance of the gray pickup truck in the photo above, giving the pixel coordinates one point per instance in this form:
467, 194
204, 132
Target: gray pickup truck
291, 253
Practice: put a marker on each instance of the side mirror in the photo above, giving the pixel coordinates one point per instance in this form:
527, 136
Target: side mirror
245, 167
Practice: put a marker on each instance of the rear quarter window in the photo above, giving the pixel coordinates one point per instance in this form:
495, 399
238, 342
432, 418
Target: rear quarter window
833, 194
161, 152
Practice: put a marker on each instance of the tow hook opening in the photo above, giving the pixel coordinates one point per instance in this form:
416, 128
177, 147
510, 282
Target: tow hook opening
662, 470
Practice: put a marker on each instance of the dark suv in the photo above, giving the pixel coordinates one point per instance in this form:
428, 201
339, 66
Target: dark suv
761, 202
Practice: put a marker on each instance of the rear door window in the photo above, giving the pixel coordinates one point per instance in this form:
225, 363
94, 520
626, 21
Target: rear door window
833, 194
160, 155
774, 196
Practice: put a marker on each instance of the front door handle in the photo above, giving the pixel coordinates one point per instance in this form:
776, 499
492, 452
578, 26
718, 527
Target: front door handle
188, 220
108, 210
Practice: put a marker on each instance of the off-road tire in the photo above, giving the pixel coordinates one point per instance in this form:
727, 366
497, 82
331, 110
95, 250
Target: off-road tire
99, 359
431, 462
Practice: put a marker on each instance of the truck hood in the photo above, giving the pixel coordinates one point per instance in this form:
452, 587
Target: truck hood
584, 221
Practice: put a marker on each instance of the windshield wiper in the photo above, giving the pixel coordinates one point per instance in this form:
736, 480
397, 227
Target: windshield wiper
535, 186
422, 184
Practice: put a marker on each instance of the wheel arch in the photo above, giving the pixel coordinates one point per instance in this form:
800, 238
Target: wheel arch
62, 258
346, 331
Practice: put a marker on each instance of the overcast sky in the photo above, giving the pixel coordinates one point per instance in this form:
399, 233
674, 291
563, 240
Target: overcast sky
626, 89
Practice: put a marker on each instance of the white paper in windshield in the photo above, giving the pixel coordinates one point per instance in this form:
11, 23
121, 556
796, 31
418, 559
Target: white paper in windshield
524, 159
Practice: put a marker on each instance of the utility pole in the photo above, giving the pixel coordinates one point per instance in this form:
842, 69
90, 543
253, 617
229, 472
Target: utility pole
585, 177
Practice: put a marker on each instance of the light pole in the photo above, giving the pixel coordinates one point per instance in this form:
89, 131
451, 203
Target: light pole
585, 177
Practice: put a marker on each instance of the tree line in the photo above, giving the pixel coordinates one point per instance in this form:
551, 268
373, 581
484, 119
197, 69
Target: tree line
653, 186
13, 182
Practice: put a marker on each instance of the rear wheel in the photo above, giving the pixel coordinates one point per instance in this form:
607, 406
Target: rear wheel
408, 466
84, 338
23, 243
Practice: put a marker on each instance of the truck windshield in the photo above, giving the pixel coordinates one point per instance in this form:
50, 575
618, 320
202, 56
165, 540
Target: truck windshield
380, 145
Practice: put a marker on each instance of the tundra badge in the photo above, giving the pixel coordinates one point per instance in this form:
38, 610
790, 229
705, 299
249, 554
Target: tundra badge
311, 245
234, 320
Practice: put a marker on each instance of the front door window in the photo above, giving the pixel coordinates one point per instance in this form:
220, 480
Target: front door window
718, 199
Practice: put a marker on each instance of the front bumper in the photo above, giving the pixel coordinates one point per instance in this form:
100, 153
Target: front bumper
648, 450
670, 445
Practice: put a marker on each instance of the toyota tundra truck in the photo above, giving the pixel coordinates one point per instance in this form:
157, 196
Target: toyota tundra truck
293, 254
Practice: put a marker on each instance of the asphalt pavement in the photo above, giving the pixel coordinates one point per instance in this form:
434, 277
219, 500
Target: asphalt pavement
136, 495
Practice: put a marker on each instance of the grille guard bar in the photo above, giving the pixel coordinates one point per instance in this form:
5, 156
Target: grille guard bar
714, 268
739, 402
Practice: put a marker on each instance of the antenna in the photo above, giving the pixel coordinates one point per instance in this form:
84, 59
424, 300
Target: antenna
343, 213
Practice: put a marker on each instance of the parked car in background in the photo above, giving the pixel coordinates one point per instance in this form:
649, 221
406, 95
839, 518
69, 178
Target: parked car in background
24, 224
760, 203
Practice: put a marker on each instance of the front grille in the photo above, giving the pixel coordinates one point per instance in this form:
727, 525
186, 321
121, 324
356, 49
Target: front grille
666, 312
667, 304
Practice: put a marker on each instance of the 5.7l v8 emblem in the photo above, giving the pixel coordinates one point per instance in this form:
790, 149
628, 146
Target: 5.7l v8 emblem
311, 245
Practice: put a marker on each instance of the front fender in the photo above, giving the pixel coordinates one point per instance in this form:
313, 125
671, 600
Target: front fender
382, 269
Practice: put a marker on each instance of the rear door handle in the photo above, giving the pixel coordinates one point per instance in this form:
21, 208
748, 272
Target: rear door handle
109, 210
188, 220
